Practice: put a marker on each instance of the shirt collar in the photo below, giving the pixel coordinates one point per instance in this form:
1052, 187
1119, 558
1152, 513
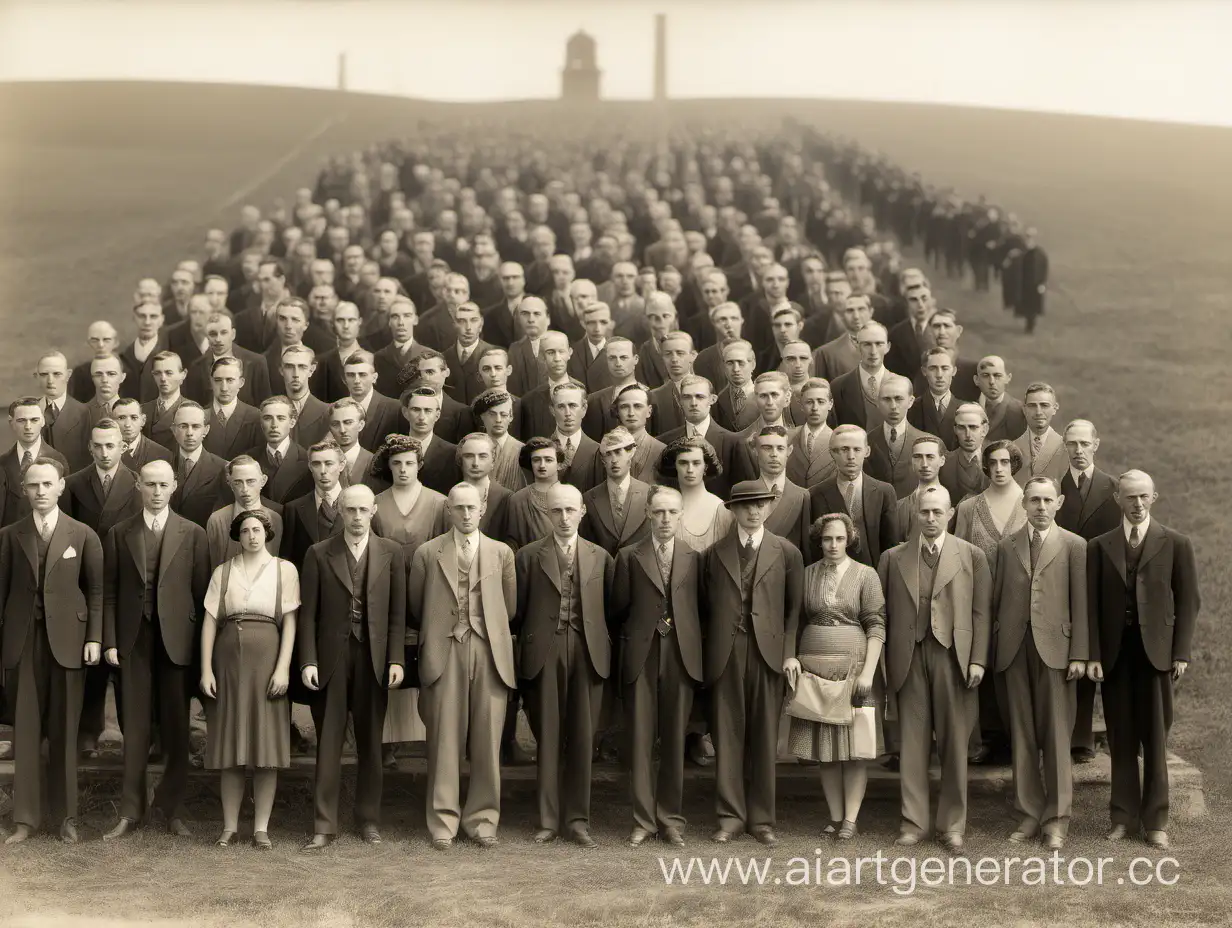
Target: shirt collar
901, 428
700, 429
743, 537
1127, 527
988, 405
352, 454
106, 473
357, 547
473, 538
281, 448
35, 449
364, 403
939, 542
168, 403
623, 484
1073, 474
1043, 532
51, 520
331, 497
778, 484
58, 403
229, 409
857, 483
149, 517
569, 543
194, 456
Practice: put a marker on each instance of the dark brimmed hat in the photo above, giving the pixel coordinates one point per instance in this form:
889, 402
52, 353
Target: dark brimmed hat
749, 491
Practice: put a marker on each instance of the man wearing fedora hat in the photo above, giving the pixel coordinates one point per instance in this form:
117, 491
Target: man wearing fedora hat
752, 586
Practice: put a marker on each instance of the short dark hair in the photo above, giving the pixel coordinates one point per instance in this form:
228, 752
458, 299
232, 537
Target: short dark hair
1002, 445
259, 515
667, 461
23, 401
538, 443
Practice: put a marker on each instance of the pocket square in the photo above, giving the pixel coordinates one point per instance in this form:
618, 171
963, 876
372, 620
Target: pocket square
70, 552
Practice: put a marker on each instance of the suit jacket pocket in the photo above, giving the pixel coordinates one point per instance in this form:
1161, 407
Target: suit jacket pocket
1169, 617
1067, 629
82, 616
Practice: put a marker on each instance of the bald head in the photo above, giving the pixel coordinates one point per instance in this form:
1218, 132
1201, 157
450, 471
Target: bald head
357, 503
157, 480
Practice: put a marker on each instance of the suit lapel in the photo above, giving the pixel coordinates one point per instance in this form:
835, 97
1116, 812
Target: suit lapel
547, 560
650, 563
29, 545
448, 561
1151, 545
337, 557
1022, 547
767, 554
947, 564
909, 567
586, 560
173, 537
487, 562
1116, 550
635, 510
1049, 550
136, 544
603, 506
378, 565
58, 543
1088, 504
729, 556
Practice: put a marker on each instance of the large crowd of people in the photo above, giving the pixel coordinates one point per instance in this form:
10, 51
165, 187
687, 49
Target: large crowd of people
664, 442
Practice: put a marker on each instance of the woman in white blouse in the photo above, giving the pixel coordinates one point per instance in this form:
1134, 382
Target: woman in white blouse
246, 643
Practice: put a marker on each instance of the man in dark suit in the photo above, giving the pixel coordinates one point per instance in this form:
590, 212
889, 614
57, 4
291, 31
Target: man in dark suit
382, 415
946, 332
256, 327
526, 362
697, 399
463, 594
676, 350
138, 357
157, 568
661, 317
389, 361
1089, 509
856, 392
753, 588
587, 356
138, 450
66, 423
655, 615
314, 516
615, 513
199, 474
788, 514
912, 337
283, 461
430, 370
199, 382
871, 503
1033, 281
105, 492
582, 467
810, 462
108, 377
438, 465
500, 324
476, 456
938, 601
329, 384
187, 339
621, 364
564, 584
1006, 419
27, 423
352, 626
311, 415
463, 354
103, 340
889, 458
292, 330
535, 412
234, 425
1144, 602
962, 474
735, 409
933, 411
51, 600
159, 412
1040, 642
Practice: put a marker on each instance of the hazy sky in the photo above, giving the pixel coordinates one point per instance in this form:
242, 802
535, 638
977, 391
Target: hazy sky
1154, 59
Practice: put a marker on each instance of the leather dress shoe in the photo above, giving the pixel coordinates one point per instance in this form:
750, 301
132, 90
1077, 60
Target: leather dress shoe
764, 835
699, 751
1118, 833
486, 841
891, 762
20, 834
370, 834
1053, 842
121, 828
673, 837
722, 836
581, 837
1158, 839
1081, 755
177, 827
980, 755
638, 837
442, 844
907, 839
1025, 833
515, 755
318, 842
68, 832
544, 836
952, 841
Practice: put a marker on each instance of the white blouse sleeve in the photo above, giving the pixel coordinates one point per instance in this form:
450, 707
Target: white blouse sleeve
290, 586
214, 590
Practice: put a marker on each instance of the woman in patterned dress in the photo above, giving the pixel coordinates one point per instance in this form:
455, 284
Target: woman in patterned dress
841, 634
986, 518
527, 513
408, 513
705, 518
246, 643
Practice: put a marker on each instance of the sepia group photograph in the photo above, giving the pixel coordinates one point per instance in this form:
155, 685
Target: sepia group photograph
554, 463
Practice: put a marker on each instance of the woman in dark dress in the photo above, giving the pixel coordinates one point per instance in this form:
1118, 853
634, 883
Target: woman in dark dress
246, 643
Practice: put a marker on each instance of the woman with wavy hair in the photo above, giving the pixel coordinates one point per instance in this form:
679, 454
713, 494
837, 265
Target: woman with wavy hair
528, 508
688, 463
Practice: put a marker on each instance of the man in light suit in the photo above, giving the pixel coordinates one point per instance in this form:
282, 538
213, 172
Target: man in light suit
753, 588
350, 637
157, 569
51, 600
244, 481
66, 422
788, 514
283, 462
810, 462
655, 614
938, 598
1041, 643
1006, 420
841, 354
615, 513
1142, 579
927, 458
890, 443
564, 584
1089, 509
463, 594
697, 400
871, 503
1043, 451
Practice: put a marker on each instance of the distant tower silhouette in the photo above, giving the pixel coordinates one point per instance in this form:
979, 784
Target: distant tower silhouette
579, 79
660, 61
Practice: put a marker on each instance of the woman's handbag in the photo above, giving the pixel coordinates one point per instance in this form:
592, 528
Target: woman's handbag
816, 699
864, 733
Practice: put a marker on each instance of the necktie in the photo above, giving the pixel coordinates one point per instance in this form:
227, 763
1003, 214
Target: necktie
186, 466
919, 330
893, 436
930, 553
155, 527
568, 451
1082, 479
738, 399
567, 552
27, 459
665, 566
277, 456
220, 417
106, 485
49, 417
466, 552
618, 502
44, 529
749, 550
808, 443
161, 407
941, 407
1134, 537
872, 385
1036, 542
326, 511
1037, 442
849, 498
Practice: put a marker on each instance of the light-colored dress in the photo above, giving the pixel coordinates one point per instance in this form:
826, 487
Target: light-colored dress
834, 635
973, 522
426, 519
719, 526
505, 469
245, 727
